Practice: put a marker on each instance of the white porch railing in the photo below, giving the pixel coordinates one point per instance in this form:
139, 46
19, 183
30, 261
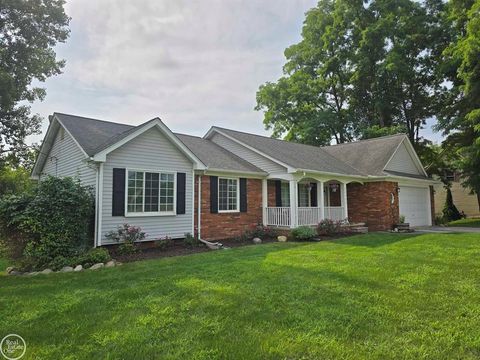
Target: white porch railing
334, 213
278, 216
309, 215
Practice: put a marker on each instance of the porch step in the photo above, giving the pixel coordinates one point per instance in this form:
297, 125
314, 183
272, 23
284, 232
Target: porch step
359, 229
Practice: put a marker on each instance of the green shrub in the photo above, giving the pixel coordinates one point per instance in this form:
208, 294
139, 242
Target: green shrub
329, 227
401, 219
90, 257
164, 243
303, 233
53, 220
262, 232
60, 262
127, 248
190, 240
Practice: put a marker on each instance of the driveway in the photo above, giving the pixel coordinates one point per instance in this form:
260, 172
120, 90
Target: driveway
445, 229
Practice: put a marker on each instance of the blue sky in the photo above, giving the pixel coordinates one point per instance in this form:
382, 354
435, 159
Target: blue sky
194, 64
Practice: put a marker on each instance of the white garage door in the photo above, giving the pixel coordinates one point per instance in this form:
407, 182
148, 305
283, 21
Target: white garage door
415, 205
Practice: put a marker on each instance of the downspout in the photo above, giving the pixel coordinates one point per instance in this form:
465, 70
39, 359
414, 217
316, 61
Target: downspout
199, 210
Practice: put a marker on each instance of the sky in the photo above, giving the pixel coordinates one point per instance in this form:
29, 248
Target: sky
193, 63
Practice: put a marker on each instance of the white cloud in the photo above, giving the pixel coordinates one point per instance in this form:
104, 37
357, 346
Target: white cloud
193, 63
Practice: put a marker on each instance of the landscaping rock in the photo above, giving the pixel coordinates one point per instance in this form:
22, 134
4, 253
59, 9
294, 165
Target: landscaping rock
111, 263
78, 268
97, 266
15, 272
67, 269
282, 238
33, 273
118, 263
47, 271
9, 269
257, 240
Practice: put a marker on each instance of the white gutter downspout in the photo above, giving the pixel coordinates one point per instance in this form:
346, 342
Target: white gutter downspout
199, 210
100, 205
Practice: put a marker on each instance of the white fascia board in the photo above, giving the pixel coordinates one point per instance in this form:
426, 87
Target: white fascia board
326, 174
213, 129
220, 172
102, 155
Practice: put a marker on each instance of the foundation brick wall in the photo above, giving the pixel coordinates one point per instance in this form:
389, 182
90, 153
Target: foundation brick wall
227, 225
371, 203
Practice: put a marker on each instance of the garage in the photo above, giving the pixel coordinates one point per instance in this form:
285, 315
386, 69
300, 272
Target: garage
415, 205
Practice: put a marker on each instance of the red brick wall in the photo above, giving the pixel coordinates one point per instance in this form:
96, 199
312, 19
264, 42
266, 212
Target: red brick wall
227, 225
371, 203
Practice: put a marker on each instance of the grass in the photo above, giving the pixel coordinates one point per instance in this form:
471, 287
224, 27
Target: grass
465, 223
375, 296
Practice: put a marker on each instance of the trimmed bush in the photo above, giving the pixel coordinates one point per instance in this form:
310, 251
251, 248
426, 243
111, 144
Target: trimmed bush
303, 233
91, 257
450, 211
53, 220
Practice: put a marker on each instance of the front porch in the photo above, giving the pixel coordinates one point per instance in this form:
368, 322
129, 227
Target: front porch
312, 202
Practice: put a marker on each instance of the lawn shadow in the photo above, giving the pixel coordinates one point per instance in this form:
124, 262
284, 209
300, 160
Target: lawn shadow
374, 240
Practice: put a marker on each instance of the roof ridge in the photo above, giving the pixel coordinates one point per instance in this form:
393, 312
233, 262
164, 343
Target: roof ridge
99, 120
366, 140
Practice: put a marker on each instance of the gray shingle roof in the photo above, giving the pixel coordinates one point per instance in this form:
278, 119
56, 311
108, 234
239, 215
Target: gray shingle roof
214, 156
296, 155
370, 155
92, 134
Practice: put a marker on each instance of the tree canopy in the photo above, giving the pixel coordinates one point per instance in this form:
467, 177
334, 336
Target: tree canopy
29, 30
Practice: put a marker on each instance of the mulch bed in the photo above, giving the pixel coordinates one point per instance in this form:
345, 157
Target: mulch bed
177, 248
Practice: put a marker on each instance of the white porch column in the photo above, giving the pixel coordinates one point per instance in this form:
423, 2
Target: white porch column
293, 203
264, 201
320, 200
343, 192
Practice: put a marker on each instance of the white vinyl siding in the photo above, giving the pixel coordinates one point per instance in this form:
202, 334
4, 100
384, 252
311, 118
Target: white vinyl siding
66, 159
403, 162
251, 156
150, 152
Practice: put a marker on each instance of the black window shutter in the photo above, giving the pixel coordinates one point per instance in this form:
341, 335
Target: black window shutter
118, 192
313, 195
181, 193
243, 195
214, 194
278, 193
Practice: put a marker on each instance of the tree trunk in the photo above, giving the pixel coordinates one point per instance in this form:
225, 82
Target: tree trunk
478, 200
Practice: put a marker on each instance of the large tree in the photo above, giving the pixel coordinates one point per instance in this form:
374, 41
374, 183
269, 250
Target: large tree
360, 67
29, 31
459, 115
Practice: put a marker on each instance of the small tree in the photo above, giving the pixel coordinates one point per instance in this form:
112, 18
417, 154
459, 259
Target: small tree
53, 220
450, 211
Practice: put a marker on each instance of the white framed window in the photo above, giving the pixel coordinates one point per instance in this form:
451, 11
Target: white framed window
303, 195
228, 195
285, 194
150, 193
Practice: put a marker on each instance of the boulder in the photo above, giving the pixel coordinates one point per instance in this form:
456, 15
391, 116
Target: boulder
67, 269
282, 238
47, 271
257, 240
118, 263
78, 268
111, 263
9, 269
15, 272
97, 266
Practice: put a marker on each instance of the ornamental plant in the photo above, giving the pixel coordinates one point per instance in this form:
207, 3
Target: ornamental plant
127, 235
329, 227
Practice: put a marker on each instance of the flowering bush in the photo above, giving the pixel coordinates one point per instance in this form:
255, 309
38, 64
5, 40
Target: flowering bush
260, 231
127, 235
329, 227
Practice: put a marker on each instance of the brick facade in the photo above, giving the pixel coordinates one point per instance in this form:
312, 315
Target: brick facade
227, 225
371, 203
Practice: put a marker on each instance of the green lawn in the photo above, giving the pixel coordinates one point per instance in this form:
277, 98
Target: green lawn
465, 222
375, 296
